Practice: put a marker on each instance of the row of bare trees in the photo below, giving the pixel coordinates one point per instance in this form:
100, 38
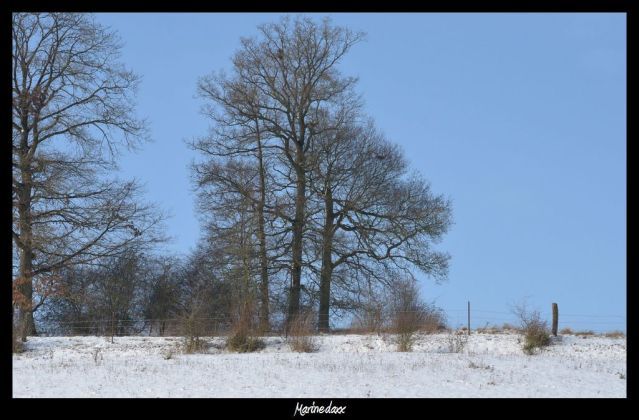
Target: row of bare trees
306, 194
305, 204
140, 293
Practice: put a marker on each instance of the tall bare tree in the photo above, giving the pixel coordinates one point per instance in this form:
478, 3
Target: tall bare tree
291, 66
374, 211
73, 112
237, 133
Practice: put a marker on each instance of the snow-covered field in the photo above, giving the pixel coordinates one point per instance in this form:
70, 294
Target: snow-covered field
345, 366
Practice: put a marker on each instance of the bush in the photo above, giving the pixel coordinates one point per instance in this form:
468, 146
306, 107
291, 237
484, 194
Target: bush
397, 308
405, 341
242, 342
433, 319
241, 339
369, 318
193, 326
457, 341
615, 334
536, 336
566, 331
193, 344
488, 329
585, 333
410, 315
535, 330
300, 337
508, 327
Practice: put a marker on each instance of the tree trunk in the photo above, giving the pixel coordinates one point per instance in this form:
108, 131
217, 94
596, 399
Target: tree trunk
327, 263
25, 288
297, 240
25, 275
247, 301
261, 233
25, 314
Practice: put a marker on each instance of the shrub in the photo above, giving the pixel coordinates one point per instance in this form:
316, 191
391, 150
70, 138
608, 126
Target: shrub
193, 327
369, 318
411, 315
615, 334
536, 336
242, 342
585, 333
406, 322
241, 339
535, 330
303, 344
488, 329
300, 337
405, 341
194, 344
508, 327
456, 341
397, 308
406, 325
566, 331
433, 319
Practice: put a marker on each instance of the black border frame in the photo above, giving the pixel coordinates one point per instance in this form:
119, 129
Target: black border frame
284, 407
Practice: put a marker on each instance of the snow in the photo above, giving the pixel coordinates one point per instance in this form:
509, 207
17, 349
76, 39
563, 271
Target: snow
345, 366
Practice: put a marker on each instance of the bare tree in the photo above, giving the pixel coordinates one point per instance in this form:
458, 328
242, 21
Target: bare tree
291, 68
375, 213
72, 113
237, 134
106, 297
117, 286
161, 299
205, 294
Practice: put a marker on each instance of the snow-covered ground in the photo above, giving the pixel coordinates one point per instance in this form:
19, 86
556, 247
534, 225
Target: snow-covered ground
345, 366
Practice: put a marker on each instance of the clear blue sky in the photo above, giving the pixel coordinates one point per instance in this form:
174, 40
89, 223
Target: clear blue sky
519, 118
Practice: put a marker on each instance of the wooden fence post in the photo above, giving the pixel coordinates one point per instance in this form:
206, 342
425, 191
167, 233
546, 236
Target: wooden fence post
468, 317
555, 318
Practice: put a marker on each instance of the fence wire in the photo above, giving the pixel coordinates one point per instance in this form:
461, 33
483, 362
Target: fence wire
221, 325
